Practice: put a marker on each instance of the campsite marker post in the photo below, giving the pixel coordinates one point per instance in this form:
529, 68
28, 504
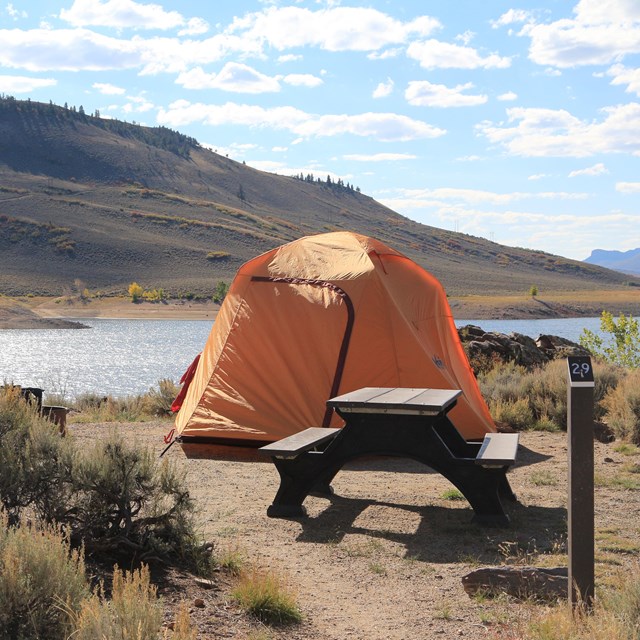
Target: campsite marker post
581, 498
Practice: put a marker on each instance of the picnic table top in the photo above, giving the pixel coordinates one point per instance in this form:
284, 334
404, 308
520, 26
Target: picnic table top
396, 400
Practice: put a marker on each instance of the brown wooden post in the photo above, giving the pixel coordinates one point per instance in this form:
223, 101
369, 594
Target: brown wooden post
581, 494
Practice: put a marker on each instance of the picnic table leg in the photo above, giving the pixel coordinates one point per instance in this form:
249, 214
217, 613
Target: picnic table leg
297, 481
483, 488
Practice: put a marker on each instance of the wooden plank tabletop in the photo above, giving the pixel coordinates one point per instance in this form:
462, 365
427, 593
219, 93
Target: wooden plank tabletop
396, 400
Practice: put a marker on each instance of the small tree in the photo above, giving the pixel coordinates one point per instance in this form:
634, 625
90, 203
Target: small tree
135, 291
220, 292
622, 344
533, 291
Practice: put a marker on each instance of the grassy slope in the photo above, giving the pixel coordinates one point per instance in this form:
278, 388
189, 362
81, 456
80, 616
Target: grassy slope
80, 202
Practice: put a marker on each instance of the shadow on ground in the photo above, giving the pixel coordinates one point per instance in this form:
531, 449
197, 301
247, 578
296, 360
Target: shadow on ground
443, 534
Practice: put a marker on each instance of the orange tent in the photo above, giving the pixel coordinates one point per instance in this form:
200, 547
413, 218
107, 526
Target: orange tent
316, 318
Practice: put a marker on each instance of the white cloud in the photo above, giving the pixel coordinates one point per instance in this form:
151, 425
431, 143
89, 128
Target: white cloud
108, 89
194, 27
383, 89
421, 93
538, 176
478, 197
623, 75
15, 13
508, 96
510, 17
137, 104
235, 77
387, 54
628, 187
289, 57
557, 133
22, 84
279, 149
600, 33
596, 170
302, 80
379, 157
384, 127
333, 29
121, 14
66, 50
472, 158
434, 54
466, 37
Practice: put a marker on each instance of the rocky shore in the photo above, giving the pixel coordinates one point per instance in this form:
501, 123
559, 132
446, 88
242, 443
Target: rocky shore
516, 347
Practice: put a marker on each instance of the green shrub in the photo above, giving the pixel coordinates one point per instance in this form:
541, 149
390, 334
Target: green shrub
517, 414
622, 405
113, 497
220, 292
538, 398
41, 580
125, 499
34, 461
621, 344
545, 388
264, 595
158, 401
502, 383
134, 610
109, 409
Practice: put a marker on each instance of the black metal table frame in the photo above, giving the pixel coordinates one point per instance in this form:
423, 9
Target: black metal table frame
431, 440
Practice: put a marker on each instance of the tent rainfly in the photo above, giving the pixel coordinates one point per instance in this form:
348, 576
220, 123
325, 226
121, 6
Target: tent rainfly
316, 318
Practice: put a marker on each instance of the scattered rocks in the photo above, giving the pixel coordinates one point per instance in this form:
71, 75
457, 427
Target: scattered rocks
516, 347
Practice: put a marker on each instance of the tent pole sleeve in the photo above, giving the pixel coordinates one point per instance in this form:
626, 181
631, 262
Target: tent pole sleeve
346, 338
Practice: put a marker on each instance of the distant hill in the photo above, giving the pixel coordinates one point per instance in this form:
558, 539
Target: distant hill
87, 201
625, 261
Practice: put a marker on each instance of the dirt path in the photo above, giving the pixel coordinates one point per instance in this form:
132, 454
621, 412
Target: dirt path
384, 558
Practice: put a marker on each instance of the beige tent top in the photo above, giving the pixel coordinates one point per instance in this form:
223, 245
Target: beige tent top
316, 318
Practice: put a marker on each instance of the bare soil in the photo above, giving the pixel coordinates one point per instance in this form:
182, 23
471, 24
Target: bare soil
383, 559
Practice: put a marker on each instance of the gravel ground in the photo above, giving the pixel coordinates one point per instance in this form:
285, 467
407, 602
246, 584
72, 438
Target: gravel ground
383, 559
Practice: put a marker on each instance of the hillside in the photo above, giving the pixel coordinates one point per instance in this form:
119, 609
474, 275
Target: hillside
625, 261
101, 203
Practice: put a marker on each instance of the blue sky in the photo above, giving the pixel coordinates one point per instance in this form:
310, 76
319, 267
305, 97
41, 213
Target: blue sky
517, 121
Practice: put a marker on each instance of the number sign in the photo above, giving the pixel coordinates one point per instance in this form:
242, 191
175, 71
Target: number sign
580, 371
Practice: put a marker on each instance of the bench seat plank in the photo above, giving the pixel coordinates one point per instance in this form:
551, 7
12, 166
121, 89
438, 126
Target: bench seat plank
297, 443
498, 449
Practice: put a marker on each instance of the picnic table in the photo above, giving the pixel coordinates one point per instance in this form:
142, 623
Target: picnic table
405, 422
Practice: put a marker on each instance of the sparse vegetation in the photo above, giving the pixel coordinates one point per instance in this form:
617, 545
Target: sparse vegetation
616, 616
220, 292
217, 255
42, 582
114, 497
537, 399
265, 595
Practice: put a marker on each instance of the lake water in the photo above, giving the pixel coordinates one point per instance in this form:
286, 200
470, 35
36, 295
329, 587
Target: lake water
127, 357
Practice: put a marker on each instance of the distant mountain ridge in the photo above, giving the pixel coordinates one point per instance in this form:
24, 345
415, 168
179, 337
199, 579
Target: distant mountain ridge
625, 261
103, 203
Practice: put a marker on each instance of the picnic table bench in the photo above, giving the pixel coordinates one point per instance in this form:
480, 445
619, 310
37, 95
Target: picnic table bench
404, 422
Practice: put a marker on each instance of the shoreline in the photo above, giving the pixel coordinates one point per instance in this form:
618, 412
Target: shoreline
42, 313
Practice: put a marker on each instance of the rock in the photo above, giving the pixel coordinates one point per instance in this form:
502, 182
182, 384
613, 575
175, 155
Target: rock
603, 433
557, 347
522, 350
519, 582
199, 603
205, 583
